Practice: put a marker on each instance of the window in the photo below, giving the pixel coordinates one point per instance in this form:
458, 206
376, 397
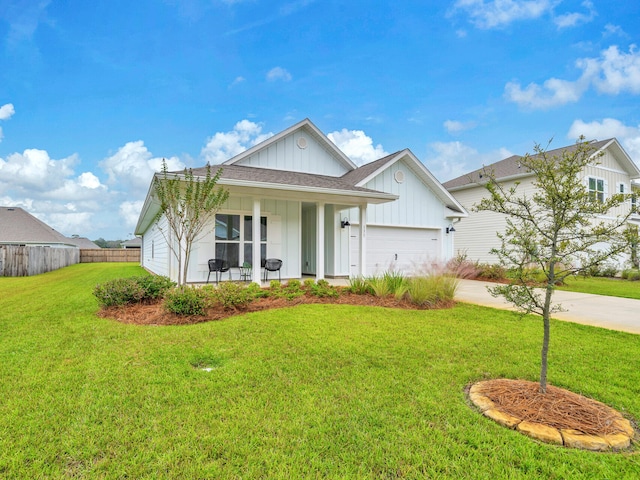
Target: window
234, 239
596, 189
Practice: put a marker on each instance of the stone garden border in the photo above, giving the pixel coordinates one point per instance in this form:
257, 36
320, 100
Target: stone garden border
544, 433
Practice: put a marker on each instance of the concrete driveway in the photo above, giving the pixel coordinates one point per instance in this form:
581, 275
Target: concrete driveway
598, 310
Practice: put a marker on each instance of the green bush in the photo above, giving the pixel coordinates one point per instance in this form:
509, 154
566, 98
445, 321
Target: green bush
154, 286
379, 286
491, 271
232, 295
186, 300
430, 290
360, 286
396, 283
631, 274
119, 291
322, 288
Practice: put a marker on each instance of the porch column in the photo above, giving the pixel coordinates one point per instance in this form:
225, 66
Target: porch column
363, 240
255, 243
320, 241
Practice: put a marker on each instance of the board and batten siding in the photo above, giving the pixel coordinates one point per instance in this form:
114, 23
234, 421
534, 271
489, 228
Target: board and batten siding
286, 154
283, 219
155, 250
417, 205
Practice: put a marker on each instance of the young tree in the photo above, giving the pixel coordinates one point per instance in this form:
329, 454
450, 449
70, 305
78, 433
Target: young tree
558, 229
189, 205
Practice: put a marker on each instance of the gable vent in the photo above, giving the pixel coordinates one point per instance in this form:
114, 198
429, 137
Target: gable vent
399, 176
302, 143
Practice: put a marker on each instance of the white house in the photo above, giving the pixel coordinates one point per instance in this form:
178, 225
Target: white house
613, 172
298, 198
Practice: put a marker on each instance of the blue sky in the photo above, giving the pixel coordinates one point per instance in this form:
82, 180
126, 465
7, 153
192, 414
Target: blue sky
94, 94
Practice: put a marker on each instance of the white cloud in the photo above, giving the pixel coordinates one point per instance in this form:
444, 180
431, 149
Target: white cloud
628, 136
237, 81
6, 111
498, 13
572, 19
34, 169
224, 145
610, 29
278, 73
357, 146
129, 212
133, 166
613, 72
447, 160
455, 126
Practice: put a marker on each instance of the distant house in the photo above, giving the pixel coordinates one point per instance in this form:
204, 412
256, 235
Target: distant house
29, 246
477, 234
82, 243
297, 197
132, 243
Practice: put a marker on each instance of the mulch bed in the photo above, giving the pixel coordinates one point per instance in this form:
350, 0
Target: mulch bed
557, 408
155, 314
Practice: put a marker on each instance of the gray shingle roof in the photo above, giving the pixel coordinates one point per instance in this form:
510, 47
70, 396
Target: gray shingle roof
283, 177
509, 167
19, 226
355, 176
82, 242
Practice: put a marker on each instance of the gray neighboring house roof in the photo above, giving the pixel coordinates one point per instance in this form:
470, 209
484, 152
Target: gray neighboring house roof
18, 227
83, 243
132, 243
510, 167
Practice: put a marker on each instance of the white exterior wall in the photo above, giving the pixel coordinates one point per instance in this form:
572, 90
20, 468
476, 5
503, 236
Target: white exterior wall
286, 155
283, 227
155, 250
476, 235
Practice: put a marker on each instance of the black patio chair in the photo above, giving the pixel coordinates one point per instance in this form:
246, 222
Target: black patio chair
272, 265
218, 266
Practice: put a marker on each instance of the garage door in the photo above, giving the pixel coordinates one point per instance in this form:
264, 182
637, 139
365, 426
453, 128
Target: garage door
407, 250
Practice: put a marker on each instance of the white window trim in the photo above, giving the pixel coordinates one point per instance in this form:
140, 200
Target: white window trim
605, 187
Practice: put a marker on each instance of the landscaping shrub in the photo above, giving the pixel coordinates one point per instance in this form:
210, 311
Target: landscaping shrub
119, 291
632, 274
396, 283
322, 289
360, 286
232, 295
462, 267
491, 271
430, 290
379, 286
154, 286
186, 300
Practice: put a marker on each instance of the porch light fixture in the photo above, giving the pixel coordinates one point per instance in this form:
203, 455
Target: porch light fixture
345, 223
450, 228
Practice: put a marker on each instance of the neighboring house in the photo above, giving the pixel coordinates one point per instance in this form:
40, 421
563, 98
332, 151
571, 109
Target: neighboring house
297, 197
476, 235
132, 243
82, 243
29, 246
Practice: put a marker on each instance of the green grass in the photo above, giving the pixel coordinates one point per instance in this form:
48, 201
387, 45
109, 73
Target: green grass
613, 287
313, 391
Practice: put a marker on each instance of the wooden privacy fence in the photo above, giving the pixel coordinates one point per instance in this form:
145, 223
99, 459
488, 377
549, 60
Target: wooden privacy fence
92, 255
27, 260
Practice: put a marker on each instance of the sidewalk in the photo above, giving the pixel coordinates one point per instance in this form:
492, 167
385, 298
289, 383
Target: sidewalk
597, 310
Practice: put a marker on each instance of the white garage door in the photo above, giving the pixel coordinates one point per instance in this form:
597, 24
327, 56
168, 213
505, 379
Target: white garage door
407, 250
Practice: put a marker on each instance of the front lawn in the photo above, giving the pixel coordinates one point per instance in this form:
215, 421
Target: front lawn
613, 287
313, 391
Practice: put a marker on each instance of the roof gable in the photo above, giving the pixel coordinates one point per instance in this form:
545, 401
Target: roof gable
301, 148
370, 171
